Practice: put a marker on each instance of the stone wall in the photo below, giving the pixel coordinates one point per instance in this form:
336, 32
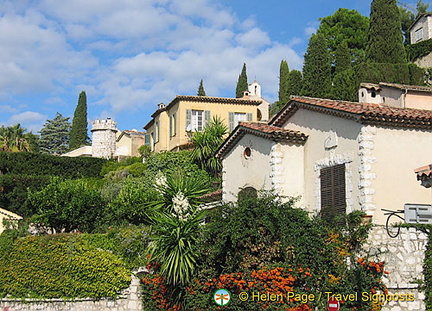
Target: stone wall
403, 257
130, 300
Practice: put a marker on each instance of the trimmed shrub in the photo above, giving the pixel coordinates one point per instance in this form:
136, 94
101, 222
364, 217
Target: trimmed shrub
60, 266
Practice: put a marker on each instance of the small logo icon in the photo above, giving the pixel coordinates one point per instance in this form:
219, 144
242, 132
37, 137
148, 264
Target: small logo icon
222, 297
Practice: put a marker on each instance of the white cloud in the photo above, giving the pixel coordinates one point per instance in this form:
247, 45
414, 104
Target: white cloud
30, 120
8, 109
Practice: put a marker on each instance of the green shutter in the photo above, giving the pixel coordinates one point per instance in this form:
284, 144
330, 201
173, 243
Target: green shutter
147, 139
206, 117
231, 121
249, 116
188, 117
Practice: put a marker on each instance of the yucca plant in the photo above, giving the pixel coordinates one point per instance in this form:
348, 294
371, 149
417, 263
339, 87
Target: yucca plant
176, 226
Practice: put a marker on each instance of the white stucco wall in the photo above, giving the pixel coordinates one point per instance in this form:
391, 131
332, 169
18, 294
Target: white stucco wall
319, 127
239, 172
398, 152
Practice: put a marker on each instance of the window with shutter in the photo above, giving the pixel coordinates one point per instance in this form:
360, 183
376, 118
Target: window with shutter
333, 194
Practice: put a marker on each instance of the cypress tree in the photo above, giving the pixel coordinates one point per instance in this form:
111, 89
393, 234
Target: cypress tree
78, 133
242, 84
201, 91
294, 83
317, 68
54, 135
283, 82
385, 38
342, 57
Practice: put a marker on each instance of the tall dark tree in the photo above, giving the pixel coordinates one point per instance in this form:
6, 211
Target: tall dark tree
54, 135
342, 57
201, 91
283, 82
385, 39
317, 68
78, 134
294, 83
242, 84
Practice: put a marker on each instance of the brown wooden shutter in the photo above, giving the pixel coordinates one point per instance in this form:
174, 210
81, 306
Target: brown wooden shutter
333, 194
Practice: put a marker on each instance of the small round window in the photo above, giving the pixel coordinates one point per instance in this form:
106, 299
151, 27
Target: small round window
247, 153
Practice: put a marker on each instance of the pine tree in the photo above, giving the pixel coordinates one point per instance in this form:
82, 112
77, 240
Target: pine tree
201, 91
385, 38
342, 57
283, 82
317, 68
78, 133
54, 135
242, 84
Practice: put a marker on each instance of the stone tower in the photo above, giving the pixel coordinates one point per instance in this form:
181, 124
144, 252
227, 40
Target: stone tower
104, 138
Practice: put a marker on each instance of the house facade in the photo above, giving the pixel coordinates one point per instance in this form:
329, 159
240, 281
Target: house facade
335, 156
397, 95
421, 29
172, 125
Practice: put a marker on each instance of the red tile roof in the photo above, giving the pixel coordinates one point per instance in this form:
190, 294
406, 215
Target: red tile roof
365, 113
274, 133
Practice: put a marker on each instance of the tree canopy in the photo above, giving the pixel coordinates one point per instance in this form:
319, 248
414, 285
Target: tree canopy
201, 91
385, 39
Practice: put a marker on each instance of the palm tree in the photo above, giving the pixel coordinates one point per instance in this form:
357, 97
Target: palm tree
15, 139
206, 143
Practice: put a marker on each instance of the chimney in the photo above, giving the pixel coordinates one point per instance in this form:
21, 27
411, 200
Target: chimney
161, 106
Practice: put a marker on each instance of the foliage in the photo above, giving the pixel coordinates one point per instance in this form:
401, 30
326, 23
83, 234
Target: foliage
41, 164
206, 144
265, 245
385, 39
427, 271
130, 205
345, 25
68, 205
54, 135
242, 84
342, 58
419, 50
78, 133
176, 228
130, 243
144, 151
13, 192
345, 86
201, 91
317, 68
114, 165
60, 266
15, 139
407, 18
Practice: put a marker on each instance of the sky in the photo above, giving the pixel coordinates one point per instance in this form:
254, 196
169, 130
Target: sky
130, 55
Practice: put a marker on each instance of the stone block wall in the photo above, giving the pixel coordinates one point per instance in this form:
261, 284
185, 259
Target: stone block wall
403, 257
130, 300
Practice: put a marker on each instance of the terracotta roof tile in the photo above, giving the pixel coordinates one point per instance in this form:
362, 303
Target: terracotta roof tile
262, 130
365, 113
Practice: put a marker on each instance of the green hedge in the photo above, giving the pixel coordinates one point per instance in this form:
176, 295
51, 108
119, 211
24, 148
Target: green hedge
41, 164
13, 192
60, 266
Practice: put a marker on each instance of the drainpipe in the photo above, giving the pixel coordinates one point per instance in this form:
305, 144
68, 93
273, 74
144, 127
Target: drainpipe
404, 98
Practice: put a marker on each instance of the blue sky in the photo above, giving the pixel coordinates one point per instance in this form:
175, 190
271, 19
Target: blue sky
130, 55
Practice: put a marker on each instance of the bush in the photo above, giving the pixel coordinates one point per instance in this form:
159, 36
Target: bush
68, 205
60, 266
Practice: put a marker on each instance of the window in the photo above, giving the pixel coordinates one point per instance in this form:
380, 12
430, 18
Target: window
196, 119
156, 136
147, 140
236, 117
419, 34
333, 194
